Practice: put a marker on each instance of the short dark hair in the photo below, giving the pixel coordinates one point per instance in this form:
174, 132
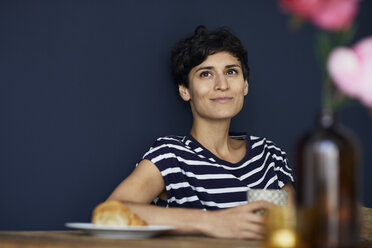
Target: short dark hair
192, 51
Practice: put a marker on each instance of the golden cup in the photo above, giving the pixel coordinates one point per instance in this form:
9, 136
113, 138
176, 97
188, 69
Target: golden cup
280, 228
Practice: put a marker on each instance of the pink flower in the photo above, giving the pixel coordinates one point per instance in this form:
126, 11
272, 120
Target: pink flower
351, 70
333, 15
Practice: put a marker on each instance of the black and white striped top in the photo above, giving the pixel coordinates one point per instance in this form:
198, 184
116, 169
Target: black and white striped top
196, 178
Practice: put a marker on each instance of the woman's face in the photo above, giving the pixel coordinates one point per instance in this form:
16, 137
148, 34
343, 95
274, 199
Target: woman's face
216, 87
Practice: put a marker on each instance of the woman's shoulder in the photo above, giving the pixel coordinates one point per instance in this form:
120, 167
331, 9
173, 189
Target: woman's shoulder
169, 140
264, 143
168, 148
171, 137
166, 144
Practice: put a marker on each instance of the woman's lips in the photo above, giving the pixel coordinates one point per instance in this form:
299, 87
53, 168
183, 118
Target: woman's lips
222, 99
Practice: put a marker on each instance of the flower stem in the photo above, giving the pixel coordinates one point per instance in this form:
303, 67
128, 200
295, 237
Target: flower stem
332, 98
328, 103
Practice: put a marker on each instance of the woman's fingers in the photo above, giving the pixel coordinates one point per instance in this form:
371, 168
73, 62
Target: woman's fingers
240, 222
252, 225
260, 205
249, 230
252, 235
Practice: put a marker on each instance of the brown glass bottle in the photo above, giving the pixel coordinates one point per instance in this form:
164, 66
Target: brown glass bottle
327, 188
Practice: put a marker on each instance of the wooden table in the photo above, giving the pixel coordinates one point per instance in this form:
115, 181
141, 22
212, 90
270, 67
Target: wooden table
64, 239
78, 239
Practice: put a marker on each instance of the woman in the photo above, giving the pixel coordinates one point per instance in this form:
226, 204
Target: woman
208, 169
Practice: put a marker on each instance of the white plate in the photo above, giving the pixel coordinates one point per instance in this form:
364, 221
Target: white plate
115, 232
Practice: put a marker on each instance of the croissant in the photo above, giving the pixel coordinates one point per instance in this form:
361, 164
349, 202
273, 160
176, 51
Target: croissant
115, 213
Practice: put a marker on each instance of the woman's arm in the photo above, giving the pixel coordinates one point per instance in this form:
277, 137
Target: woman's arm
146, 183
143, 185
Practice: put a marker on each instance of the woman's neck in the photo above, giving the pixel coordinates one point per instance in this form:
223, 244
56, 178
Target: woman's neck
214, 135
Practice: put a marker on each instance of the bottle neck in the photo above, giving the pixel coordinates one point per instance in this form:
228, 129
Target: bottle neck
327, 119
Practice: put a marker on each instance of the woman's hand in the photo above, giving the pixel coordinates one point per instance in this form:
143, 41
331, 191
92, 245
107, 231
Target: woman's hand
238, 222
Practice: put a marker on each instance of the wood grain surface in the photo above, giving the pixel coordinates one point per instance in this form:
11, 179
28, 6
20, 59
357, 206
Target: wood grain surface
79, 239
64, 239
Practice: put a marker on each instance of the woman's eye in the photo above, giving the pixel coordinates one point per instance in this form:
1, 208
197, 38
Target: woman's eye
232, 72
205, 74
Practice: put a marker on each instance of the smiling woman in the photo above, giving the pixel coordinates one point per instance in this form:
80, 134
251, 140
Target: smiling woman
216, 88
198, 182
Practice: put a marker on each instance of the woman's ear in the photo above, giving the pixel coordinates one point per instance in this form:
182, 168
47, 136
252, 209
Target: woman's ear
246, 87
184, 92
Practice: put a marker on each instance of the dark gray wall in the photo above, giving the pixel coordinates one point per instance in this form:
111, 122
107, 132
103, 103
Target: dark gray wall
85, 88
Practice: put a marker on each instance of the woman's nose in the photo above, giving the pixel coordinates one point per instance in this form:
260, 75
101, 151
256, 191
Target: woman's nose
221, 83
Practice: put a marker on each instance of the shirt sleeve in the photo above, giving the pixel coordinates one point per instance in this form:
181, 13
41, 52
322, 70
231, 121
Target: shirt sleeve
162, 155
282, 168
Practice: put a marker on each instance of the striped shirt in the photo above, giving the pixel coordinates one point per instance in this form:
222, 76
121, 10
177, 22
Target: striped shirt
196, 178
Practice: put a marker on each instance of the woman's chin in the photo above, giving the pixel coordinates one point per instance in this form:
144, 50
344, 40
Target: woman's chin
221, 116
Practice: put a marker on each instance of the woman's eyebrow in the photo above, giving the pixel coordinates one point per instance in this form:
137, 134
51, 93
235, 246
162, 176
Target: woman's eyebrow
230, 66
211, 67
204, 68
